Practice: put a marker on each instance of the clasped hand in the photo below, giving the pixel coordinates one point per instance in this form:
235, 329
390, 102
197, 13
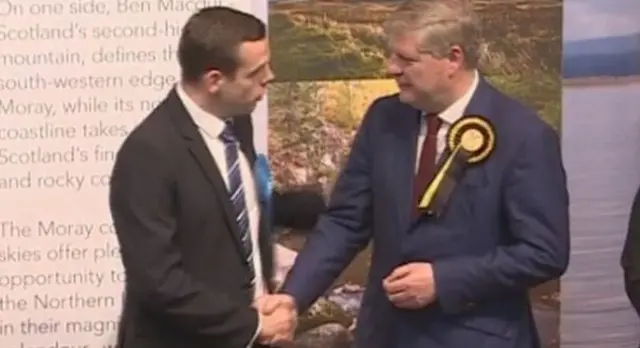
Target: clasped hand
278, 318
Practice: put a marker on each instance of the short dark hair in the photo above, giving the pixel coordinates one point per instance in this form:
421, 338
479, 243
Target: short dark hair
211, 37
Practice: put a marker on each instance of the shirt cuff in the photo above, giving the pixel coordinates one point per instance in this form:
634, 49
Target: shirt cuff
258, 329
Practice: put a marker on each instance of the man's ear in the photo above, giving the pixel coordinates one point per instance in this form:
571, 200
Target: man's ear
212, 80
455, 59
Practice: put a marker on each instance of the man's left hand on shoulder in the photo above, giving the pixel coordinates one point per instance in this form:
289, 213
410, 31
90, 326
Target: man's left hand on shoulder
411, 286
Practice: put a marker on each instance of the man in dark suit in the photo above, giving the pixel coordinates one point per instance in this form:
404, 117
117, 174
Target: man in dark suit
457, 273
630, 259
195, 241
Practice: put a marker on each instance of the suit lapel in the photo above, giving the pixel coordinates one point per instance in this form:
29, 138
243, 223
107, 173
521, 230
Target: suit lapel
244, 133
481, 103
202, 156
403, 153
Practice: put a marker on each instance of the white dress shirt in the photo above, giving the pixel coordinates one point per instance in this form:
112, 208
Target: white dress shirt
449, 116
210, 128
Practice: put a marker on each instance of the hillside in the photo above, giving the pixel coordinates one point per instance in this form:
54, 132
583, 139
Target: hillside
615, 56
519, 36
337, 40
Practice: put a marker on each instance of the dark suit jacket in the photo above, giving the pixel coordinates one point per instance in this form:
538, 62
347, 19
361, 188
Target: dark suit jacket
187, 282
630, 259
506, 230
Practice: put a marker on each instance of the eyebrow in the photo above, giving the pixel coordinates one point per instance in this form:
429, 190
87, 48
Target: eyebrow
407, 58
389, 51
258, 68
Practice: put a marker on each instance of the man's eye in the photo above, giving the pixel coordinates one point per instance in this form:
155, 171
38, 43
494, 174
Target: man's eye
258, 71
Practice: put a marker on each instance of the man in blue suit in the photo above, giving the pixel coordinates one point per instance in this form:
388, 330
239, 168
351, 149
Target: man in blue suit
456, 274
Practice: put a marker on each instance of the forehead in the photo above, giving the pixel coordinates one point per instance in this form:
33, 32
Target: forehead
252, 54
405, 42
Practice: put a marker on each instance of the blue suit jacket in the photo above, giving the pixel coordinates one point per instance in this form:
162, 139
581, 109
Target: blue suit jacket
505, 231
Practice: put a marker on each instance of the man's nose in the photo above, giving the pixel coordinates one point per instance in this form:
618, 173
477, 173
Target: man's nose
271, 76
393, 69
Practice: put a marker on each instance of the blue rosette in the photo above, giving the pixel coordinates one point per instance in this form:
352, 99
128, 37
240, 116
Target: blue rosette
264, 184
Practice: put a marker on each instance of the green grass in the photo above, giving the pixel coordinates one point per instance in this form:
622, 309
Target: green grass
541, 92
314, 47
321, 49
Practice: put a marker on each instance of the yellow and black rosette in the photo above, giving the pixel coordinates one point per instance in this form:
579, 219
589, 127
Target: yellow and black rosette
474, 135
470, 141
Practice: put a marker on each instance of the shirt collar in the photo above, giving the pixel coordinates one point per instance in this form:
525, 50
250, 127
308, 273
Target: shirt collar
455, 111
207, 122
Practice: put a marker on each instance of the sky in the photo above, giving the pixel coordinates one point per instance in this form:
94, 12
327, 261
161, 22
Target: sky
587, 19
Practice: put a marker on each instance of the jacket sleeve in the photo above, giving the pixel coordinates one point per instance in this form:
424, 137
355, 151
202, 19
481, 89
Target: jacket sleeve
343, 230
630, 259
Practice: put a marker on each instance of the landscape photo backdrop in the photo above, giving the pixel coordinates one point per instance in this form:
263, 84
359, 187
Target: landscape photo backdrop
601, 122
328, 56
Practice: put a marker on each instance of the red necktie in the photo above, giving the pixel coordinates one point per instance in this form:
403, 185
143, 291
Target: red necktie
427, 163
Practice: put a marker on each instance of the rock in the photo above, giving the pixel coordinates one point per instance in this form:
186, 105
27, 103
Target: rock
339, 307
330, 335
322, 312
284, 258
348, 297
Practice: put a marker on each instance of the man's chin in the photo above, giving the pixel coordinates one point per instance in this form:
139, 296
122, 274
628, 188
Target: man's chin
252, 108
406, 97
246, 109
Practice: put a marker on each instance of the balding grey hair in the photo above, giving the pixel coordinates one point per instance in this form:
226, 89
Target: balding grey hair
442, 24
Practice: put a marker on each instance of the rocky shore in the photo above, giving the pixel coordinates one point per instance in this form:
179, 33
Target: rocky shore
330, 322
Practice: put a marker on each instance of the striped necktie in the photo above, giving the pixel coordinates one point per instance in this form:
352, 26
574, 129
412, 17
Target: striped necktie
236, 192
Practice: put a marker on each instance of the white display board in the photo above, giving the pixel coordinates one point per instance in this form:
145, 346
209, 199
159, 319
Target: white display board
75, 77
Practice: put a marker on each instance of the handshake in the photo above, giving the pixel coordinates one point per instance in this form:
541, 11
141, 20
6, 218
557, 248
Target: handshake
278, 319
